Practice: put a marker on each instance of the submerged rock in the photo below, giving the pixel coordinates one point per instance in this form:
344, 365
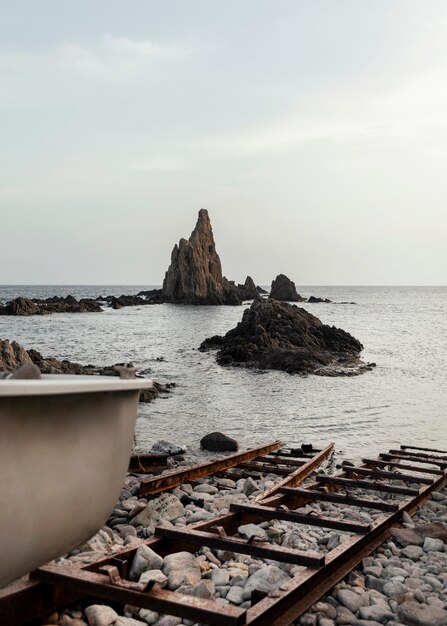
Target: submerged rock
315, 299
274, 335
218, 442
284, 289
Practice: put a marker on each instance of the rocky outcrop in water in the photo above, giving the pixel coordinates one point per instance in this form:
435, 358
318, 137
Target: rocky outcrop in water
315, 300
195, 273
248, 291
275, 335
69, 304
284, 290
152, 296
13, 356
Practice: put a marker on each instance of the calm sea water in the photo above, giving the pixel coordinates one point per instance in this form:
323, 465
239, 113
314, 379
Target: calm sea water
404, 400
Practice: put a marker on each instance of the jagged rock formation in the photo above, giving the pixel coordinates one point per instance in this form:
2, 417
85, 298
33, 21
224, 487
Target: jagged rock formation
26, 306
195, 273
316, 300
231, 292
248, 291
275, 335
152, 296
13, 356
236, 294
284, 289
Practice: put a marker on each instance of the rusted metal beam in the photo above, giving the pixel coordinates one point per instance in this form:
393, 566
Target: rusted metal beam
365, 484
338, 498
300, 474
255, 548
169, 480
23, 601
267, 513
413, 459
406, 478
415, 468
265, 468
282, 460
423, 449
160, 600
307, 587
421, 455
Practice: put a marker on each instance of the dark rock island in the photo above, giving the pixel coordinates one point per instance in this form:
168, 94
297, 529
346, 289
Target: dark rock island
275, 335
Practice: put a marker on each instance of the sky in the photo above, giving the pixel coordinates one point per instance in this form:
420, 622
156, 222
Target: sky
313, 131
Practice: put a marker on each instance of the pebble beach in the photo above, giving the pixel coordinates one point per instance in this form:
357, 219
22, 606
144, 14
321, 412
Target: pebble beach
403, 583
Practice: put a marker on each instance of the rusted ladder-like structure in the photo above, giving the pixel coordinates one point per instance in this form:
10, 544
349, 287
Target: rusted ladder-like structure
408, 475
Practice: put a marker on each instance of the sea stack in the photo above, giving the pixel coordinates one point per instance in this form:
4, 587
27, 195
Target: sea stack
284, 290
195, 273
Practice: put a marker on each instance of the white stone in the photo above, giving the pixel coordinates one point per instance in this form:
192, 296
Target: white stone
100, 615
181, 568
166, 507
251, 530
154, 576
433, 545
148, 616
266, 579
145, 559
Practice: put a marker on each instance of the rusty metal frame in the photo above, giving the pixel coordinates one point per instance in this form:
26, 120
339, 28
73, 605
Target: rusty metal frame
283, 606
173, 478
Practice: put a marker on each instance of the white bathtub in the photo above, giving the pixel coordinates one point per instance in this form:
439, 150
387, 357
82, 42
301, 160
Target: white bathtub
65, 443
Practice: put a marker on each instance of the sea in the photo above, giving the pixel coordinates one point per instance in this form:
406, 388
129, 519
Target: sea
402, 401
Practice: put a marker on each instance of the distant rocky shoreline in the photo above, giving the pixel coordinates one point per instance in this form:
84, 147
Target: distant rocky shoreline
14, 356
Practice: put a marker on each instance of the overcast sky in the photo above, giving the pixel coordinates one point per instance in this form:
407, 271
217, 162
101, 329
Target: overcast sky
314, 132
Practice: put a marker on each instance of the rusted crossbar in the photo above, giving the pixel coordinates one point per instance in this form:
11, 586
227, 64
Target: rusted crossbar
172, 479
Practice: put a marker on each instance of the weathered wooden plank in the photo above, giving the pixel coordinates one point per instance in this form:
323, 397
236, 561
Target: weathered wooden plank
266, 512
338, 498
258, 549
365, 484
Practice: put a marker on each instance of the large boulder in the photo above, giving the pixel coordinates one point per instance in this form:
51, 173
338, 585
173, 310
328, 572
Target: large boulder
12, 356
284, 289
218, 442
276, 335
20, 306
195, 273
